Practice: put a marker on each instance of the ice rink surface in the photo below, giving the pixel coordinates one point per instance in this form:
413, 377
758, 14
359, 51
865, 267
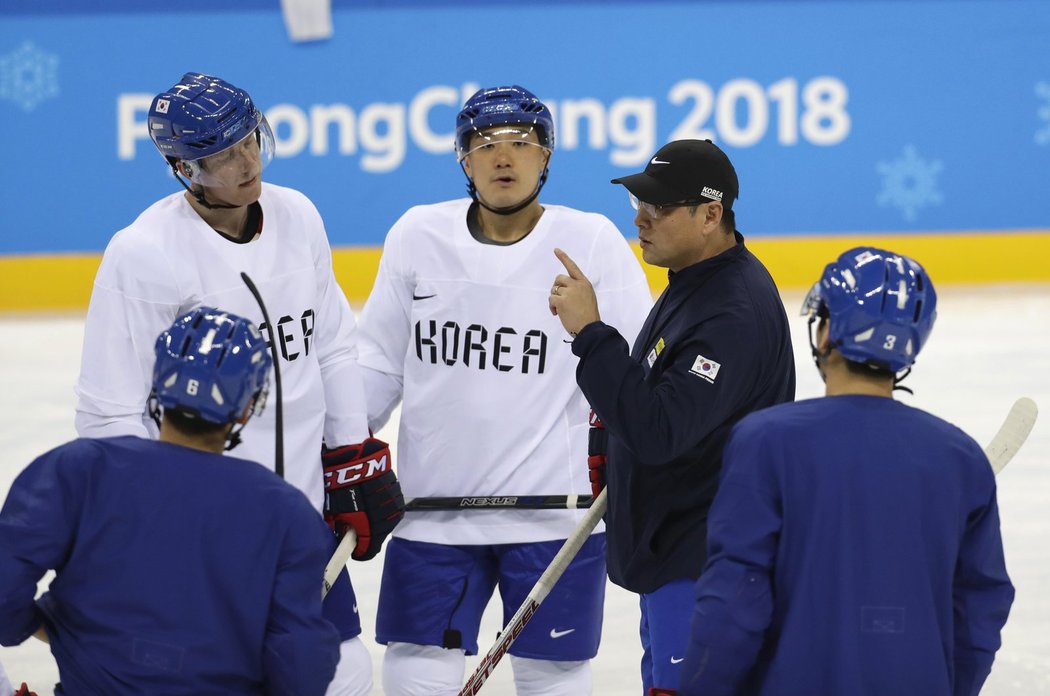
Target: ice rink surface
990, 345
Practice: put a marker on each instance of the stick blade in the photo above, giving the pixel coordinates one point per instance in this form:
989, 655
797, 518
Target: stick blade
1012, 434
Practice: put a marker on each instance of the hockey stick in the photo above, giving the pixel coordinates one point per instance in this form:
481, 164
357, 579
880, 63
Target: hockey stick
522, 502
536, 595
278, 438
337, 562
1004, 445
501, 502
1012, 433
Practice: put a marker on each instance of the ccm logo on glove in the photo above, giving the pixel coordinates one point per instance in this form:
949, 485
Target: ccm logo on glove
355, 471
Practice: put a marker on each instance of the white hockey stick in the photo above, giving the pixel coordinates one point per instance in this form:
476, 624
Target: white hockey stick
1012, 433
538, 593
338, 560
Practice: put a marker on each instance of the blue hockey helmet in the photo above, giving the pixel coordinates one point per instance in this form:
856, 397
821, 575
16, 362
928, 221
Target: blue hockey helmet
211, 365
498, 106
203, 116
880, 306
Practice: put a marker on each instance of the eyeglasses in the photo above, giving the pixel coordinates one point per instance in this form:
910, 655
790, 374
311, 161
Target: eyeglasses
657, 211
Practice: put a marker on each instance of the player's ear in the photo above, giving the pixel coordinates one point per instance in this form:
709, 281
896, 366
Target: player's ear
713, 211
823, 335
248, 411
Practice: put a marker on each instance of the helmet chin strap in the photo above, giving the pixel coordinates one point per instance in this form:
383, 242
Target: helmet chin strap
199, 194
819, 358
510, 209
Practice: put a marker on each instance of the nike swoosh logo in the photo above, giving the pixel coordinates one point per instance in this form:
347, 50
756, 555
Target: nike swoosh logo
656, 161
676, 660
555, 633
423, 297
355, 607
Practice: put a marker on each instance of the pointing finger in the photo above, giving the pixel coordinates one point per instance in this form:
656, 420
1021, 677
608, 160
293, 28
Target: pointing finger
570, 265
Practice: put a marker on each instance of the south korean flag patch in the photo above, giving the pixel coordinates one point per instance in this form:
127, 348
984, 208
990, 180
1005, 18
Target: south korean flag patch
705, 368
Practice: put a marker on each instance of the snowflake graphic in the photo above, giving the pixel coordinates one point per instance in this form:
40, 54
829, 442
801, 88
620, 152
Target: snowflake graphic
27, 76
909, 183
1042, 90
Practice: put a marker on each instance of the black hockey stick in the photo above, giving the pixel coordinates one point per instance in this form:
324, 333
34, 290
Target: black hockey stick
278, 437
490, 502
500, 502
1004, 445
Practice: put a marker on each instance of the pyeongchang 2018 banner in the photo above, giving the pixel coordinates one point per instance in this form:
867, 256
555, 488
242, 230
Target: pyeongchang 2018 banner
841, 117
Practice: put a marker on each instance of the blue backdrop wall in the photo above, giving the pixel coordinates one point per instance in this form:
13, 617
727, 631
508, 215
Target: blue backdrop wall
863, 116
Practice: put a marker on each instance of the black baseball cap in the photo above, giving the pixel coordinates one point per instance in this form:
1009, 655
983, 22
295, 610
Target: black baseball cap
685, 170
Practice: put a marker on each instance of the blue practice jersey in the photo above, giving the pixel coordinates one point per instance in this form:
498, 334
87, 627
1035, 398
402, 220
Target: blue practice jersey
178, 572
854, 548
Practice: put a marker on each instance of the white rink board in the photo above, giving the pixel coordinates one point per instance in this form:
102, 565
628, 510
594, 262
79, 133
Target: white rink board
990, 346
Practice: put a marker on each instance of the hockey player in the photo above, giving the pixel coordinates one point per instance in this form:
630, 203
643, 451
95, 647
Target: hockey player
178, 571
189, 249
854, 544
457, 330
715, 347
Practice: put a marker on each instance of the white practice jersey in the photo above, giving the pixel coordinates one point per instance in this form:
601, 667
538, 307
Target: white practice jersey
490, 404
170, 261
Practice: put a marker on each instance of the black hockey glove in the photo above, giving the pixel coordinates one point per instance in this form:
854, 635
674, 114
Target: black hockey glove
361, 492
597, 445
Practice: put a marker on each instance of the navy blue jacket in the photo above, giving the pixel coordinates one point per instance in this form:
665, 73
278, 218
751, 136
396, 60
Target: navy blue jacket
714, 348
177, 572
854, 549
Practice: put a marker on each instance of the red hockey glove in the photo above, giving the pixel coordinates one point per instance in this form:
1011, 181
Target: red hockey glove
24, 691
597, 445
362, 493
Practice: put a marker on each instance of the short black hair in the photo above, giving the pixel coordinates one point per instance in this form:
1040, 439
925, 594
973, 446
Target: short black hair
189, 424
728, 217
870, 370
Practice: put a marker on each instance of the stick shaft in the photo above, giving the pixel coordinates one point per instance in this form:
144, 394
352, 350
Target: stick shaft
488, 502
337, 562
278, 455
